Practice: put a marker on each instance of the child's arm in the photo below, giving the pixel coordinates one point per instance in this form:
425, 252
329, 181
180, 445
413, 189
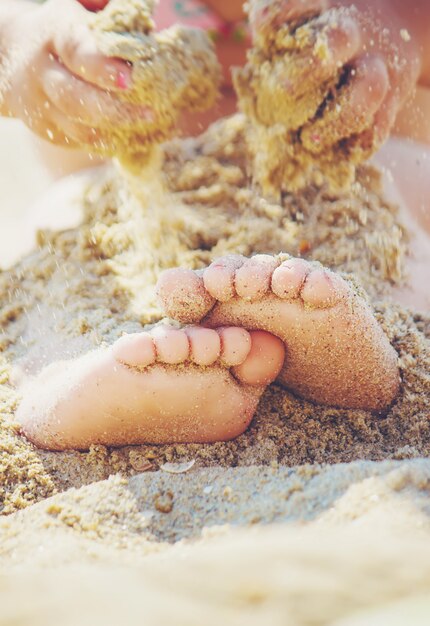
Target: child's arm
388, 41
52, 75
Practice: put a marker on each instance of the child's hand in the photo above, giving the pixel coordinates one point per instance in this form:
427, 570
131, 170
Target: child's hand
58, 82
372, 41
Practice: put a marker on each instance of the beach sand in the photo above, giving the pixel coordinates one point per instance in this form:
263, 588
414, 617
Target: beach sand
102, 554
314, 516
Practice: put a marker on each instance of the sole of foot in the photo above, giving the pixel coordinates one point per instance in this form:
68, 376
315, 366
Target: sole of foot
336, 352
165, 386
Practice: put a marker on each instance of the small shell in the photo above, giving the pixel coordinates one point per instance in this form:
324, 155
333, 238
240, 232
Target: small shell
177, 468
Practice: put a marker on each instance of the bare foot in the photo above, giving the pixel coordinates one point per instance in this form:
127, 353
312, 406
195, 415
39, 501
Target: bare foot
336, 353
166, 386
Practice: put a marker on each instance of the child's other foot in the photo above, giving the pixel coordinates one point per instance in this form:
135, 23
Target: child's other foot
166, 386
336, 353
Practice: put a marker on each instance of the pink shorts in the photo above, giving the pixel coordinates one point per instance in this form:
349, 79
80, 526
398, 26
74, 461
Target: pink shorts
196, 13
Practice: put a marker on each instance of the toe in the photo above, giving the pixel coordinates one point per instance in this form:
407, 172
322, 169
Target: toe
252, 280
218, 278
235, 345
264, 361
323, 289
183, 295
205, 345
171, 345
137, 350
288, 278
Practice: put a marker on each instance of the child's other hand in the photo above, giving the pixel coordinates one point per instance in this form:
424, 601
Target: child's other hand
59, 84
370, 40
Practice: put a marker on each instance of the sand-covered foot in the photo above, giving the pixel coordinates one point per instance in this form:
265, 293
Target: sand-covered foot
167, 386
336, 352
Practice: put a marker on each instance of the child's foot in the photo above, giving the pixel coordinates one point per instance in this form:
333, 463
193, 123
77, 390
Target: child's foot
166, 386
336, 353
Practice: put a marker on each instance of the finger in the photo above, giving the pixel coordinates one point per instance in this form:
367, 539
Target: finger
334, 40
265, 14
87, 103
53, 135
48, 130
75, 133
353, 108
385, 118
77, 49
374, 137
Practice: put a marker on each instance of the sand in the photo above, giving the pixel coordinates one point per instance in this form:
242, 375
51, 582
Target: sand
313, 517
92, 556
332, 472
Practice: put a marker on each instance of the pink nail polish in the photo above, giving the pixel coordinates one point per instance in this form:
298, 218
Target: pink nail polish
123, 80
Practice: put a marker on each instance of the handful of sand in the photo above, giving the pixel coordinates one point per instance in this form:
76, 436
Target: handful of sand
296, 98
173, 70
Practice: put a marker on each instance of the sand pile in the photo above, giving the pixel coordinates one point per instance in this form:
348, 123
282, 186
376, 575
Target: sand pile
91, 558
85, 287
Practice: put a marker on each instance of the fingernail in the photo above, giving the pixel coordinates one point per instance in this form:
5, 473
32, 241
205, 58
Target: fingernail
123, 80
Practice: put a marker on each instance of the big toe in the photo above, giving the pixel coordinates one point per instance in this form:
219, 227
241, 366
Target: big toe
183, 296
264, 361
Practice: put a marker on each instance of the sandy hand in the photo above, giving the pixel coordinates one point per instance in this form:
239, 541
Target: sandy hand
104, 81
335, 78
174, 70
59, 83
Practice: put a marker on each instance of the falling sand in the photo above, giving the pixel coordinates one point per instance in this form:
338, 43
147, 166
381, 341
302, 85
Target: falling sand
346, 488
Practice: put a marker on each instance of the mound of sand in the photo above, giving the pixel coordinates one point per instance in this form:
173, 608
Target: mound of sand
99, 554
